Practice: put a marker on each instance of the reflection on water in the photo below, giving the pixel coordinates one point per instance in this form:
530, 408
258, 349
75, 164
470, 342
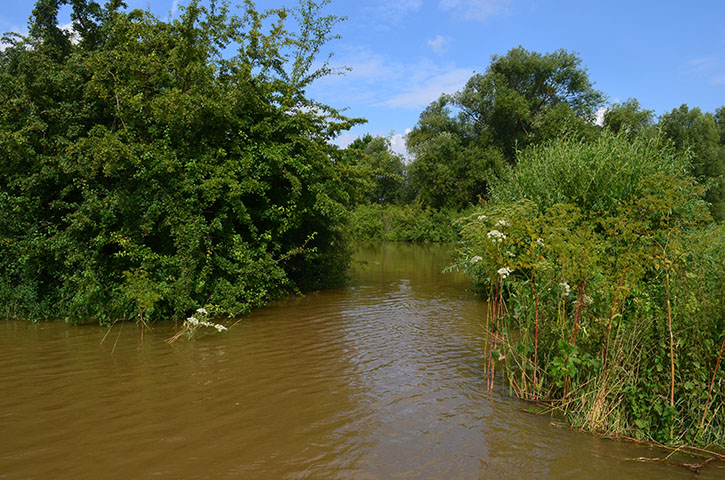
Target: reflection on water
380, 379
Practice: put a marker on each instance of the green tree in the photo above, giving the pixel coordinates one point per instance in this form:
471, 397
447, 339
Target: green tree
145, 173
384, 169
512, 102
690, 129
628, 117
524, 98
452, 166
720, 121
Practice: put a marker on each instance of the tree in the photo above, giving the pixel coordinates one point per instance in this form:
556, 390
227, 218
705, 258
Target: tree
383, 168
690, 129
628, 117
720, 121
146, 173
452, 166
512, 99
524, 98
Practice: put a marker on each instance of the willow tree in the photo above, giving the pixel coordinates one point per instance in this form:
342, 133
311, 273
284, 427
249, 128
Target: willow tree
523, 98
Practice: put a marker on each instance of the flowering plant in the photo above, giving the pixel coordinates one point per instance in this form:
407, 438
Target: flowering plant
193, 325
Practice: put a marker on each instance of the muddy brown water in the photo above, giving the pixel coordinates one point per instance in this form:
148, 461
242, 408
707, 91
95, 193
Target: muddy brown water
380, 379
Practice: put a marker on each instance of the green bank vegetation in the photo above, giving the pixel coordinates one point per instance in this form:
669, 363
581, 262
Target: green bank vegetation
600, 247
153, 167
606, 282
465, 142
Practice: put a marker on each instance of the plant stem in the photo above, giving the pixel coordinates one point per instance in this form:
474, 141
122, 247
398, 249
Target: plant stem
609, 325
579, 308
712, 382
536, 333
672, 341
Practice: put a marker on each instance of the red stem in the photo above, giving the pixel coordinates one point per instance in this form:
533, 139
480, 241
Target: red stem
536, 333
577, 315
609, 325
712, 382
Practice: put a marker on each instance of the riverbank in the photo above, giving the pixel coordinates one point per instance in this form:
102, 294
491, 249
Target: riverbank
605, 278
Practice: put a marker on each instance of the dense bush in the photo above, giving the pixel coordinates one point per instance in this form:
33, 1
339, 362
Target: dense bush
606, 283
403, 223
145, 173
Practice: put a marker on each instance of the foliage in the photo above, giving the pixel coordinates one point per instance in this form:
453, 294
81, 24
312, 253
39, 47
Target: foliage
403, 223
448, 174
628, 117
690, 129
452, 168
518, 89
606, 282
381, 167
152, 167
462, 142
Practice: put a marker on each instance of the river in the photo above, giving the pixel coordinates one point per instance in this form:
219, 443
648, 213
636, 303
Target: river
380, 379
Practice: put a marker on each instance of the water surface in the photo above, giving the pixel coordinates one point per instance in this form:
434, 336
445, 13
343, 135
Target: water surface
380, 379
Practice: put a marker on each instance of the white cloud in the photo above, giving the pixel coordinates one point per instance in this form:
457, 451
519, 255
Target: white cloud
74, 37
712, 67
423, 93
398, 143
345, 139
703, 64
373, 78
718, 80
396, 10
599, 116
376, 80
174, 8
478, 10
439, 44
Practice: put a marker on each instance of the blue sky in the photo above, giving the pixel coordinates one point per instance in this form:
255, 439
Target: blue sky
405, 53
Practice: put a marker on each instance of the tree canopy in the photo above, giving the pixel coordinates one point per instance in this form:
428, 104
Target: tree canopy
508, 101
523, 98
699, 133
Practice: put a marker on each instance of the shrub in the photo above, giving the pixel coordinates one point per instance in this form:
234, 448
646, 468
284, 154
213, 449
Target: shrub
145, 175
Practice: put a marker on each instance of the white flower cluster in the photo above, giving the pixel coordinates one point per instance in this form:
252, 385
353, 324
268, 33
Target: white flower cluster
503, 223
510, 253
540, 242
565, 289
476, 259
504, 272
194, 322
482, 218
587, 300
496, 236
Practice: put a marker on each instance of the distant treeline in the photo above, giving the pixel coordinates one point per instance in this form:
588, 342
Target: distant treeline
465, 142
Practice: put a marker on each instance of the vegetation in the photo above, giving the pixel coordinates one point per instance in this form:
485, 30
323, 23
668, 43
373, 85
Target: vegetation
606, 283
152, 169
403, 223
690, 129
148, 171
